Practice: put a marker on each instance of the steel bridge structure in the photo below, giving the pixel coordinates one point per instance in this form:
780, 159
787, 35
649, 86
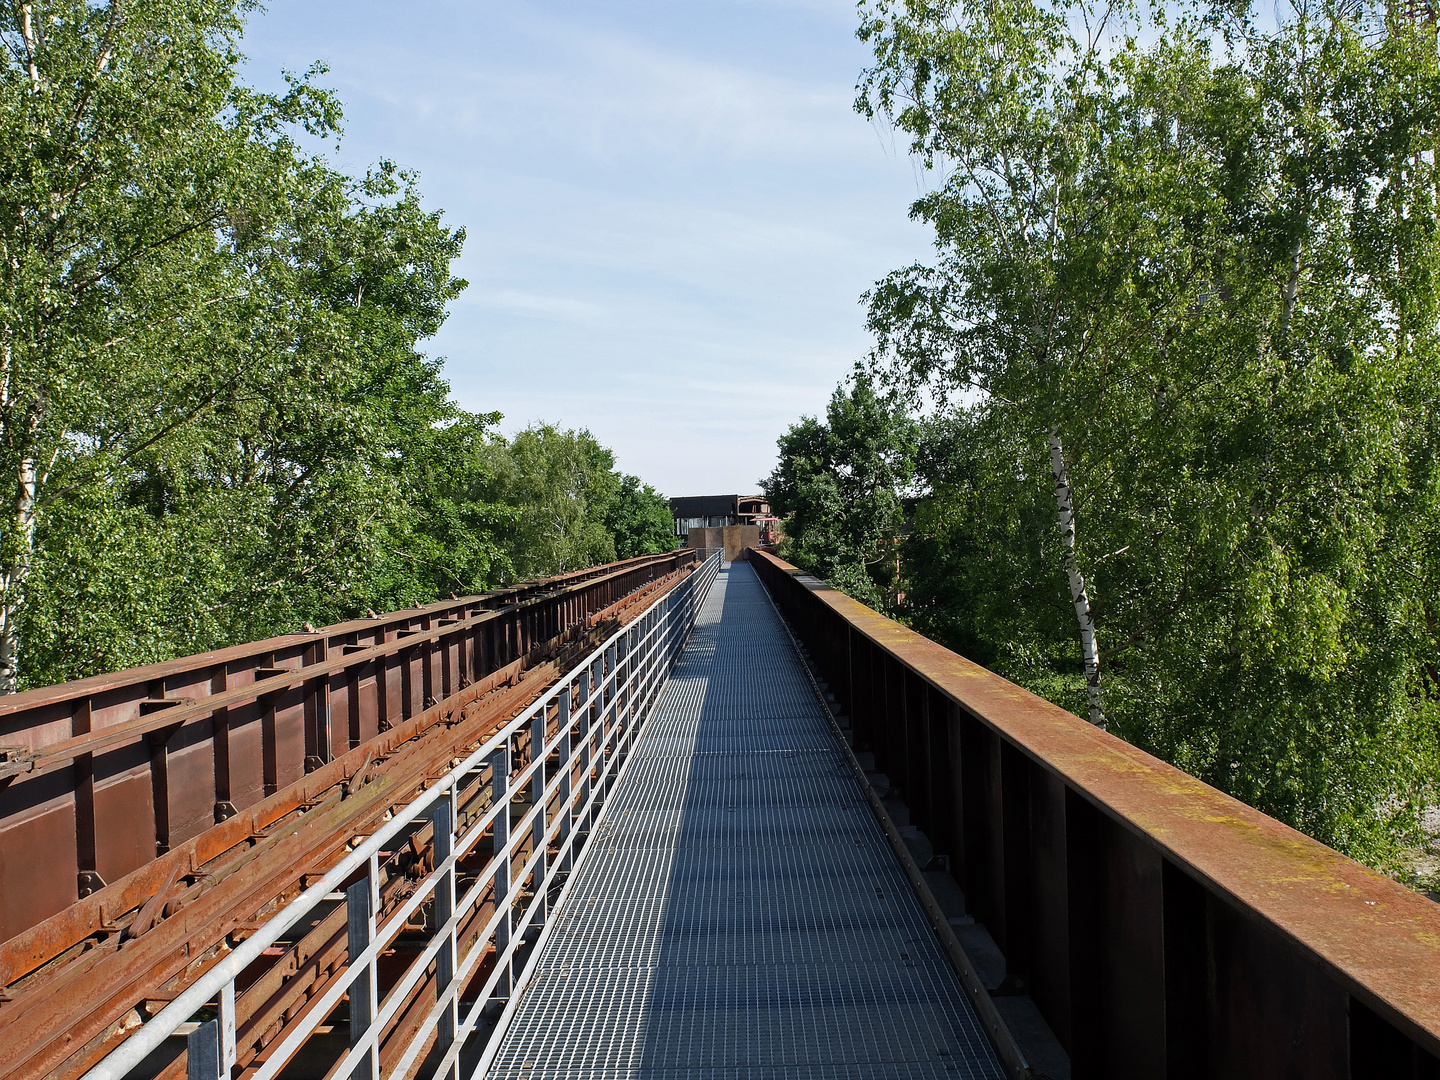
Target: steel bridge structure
673, 817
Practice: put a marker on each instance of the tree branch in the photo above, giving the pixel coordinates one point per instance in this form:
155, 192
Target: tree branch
174, 425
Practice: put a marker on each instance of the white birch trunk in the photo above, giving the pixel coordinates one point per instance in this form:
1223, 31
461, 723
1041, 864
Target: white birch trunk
1088, 649
14, 574
32, 46
21, 514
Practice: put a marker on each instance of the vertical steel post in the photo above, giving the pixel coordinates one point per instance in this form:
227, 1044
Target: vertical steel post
444, 907
566, 765
632, 641
228, 1053
537, 789
360, 926
202, 1052
622, 683
500, 796
655, 650
647, 662
587, 686
609, 709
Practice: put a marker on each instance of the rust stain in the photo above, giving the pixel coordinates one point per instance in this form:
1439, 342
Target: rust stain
1367, 931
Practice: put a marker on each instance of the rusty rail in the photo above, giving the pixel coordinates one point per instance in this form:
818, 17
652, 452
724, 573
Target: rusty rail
105, 774
470, 925
1163, 928
98, 969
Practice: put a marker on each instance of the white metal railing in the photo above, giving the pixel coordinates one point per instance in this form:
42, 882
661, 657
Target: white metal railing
597, 708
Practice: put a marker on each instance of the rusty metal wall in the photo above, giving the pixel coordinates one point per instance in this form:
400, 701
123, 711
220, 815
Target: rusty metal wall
1163, 928
129, 951
100, 776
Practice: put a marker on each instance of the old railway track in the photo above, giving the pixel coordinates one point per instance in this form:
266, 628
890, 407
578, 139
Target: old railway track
152, 819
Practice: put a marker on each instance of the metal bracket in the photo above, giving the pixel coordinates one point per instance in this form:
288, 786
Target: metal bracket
89, 881
357, 778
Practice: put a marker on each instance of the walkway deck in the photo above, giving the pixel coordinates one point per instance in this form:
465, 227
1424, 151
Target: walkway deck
739, 912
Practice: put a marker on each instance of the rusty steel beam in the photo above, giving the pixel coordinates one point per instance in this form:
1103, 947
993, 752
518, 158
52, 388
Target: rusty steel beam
92, 973
44, 714
106, 774
1163, 928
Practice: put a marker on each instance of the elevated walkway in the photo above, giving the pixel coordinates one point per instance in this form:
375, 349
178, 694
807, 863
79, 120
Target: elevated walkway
587, 842
739, 912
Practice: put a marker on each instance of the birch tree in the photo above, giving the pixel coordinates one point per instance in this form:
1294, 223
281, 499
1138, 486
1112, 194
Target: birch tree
1009, 108
130, 165
1184, 295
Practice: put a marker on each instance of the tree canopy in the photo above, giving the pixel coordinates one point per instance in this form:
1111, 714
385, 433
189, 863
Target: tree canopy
573, 508
215, 412
1173, 368
839, 485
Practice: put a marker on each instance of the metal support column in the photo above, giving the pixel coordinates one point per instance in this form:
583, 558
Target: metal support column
360, 904
500, 796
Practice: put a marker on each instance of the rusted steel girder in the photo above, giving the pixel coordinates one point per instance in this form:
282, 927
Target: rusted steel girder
1163, 928
105, 774
170, 920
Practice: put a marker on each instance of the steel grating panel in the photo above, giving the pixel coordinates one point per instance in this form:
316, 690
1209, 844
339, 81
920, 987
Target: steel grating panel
739, 913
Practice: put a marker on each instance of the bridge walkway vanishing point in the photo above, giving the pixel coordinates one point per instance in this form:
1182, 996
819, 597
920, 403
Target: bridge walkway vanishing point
627, 843
739, 911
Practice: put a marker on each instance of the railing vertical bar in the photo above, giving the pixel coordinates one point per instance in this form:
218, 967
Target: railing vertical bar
587, 714
566, 767
444, 907
360, 931
537, 793
228, 1052
500, 796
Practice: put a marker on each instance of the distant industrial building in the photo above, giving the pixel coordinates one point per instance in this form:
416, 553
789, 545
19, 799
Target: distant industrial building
718, 511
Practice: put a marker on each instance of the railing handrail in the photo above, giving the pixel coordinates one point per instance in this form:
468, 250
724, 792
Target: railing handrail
222, 975
1374, 938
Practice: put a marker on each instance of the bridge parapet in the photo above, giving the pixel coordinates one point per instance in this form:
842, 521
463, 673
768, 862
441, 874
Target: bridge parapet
1163, 928
108, 775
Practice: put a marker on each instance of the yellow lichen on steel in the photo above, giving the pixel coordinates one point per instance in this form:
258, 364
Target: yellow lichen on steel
1373, 931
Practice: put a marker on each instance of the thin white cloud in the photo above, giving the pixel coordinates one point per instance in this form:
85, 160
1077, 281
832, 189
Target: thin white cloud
604, 94
564, 308
671, 209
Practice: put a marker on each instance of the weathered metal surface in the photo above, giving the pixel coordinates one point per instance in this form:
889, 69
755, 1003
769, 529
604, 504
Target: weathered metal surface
424, 875
110, 772
744, 914
93, 971
1165, 928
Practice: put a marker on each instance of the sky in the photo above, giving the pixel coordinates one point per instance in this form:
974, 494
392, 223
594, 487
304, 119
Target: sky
671, 207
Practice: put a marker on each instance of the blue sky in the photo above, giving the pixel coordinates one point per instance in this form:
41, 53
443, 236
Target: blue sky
671, 207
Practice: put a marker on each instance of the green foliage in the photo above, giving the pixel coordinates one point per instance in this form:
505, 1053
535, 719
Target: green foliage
212, 394
980, 569
639, 519
561, 483
839, 486
1206, 266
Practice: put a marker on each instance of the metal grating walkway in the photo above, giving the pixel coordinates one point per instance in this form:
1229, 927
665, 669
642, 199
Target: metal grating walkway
738, 912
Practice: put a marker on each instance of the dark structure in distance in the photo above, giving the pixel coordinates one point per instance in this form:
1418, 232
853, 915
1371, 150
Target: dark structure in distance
717, 511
